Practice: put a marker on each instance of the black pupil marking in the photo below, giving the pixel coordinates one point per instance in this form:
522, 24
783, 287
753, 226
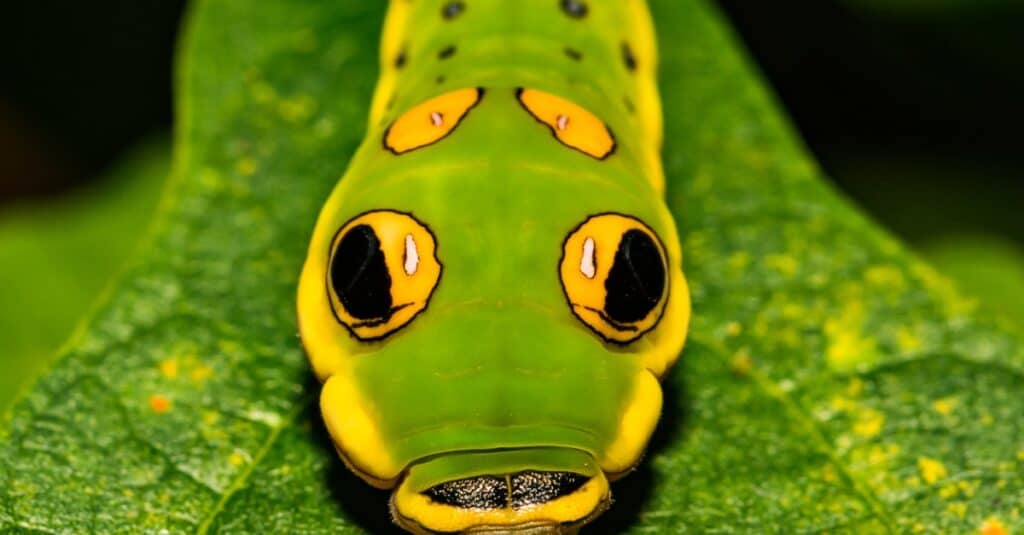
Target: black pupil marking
452, 10
628, 58
492, 492
530, 488
400, 60
573, 54
574, 8
360, 276
636, 280
484, 492
447, 52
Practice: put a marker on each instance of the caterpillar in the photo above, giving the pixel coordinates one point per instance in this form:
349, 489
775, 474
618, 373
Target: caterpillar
493, 290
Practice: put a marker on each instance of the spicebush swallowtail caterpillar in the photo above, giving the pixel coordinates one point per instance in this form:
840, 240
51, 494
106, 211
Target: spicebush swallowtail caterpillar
494, 287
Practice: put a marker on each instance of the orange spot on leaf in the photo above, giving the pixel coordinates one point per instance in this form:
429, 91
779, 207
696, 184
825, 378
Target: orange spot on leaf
159, 403
993, 526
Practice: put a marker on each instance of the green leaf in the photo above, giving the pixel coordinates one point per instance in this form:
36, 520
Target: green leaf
831, 381
58, 255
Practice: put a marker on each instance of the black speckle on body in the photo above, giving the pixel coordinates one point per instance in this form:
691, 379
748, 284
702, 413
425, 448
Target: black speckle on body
482, 492
628, 59
576, 9
453, 9
400, 60
573, 54
446, 52
532, 488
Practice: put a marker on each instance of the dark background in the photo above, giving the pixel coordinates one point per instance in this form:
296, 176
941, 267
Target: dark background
911, 107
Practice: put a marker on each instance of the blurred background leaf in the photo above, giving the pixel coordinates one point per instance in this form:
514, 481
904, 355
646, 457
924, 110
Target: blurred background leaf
57, 255
987, 267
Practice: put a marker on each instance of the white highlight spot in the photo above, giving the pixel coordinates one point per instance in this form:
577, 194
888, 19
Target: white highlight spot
587, 266
436, 118
562, 122
412, 256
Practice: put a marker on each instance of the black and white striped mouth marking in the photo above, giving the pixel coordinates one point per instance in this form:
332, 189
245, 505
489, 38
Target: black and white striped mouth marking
515, 491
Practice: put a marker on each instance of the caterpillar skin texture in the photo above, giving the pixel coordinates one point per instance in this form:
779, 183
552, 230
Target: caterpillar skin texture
494, 288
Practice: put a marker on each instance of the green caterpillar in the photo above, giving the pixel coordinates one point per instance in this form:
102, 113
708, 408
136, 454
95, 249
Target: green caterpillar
494, 287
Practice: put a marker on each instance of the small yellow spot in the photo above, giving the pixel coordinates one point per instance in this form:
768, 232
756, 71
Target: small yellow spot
992, 526
784, 264
829, 474
969, 488
855, 387
297, 109
741, 363
211, 417
169, 368
738, 261
236, 459
263, 93
948, 491
869, 423
201, 373
1020, 455
931, 470
986, 418
959, 509
885, 277
907, 340
944, 406
246, 166
733, 328
159, 403
918, 528
849, 348
843, 404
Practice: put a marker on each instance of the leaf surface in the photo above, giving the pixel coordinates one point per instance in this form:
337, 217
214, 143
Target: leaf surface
831, 381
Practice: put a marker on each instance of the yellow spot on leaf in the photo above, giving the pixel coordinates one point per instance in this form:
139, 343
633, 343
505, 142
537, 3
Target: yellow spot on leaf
236, 459
201, 373
855, 387
169, 368
297, 109
948, 491
829, 474
848, 347
869, 423
907, 340
784, 264
159, 403
958, 509
889, 277
741, 363
733, 328
246, 166
918, 528
931, 470
1020, 455
211, 417
969, 488
738, 262
843, 404
992, 526
944, 406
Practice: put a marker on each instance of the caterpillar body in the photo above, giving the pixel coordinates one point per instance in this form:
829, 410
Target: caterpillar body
494, 288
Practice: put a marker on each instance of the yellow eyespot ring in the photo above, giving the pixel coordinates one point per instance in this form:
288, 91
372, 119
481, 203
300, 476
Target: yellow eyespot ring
571, 125
614, 272
431, 120
381, 272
